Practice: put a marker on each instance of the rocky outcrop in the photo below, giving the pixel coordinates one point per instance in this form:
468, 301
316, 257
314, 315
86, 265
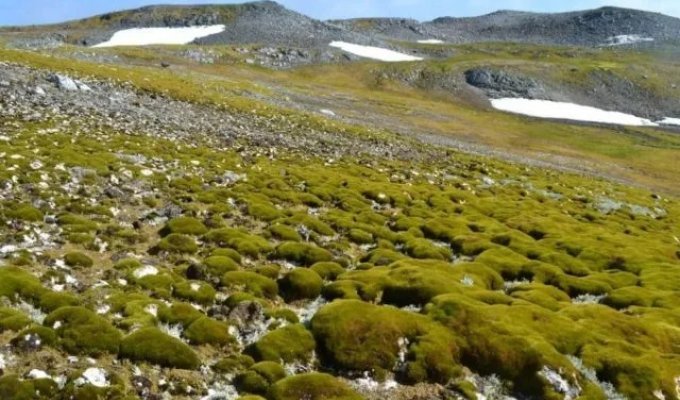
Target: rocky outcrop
499, 84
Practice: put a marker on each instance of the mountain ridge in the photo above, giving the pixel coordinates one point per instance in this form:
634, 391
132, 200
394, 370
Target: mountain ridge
268, 22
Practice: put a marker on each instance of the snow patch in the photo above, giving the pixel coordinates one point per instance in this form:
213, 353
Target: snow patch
431, 41
148, 36
559, 110
375, 53
95, 377
147, 270
38, 374
620, 40
669, 121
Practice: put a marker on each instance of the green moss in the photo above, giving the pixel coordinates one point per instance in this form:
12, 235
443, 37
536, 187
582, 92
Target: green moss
48, 336
12, 387
77, 259
77, 223
328, 270
251, 282
312, 386
241, 241
259, 377
300, 284
233, 364
15, 282
205, 330
178, 243
231, 253
263, 211
179, 313
25, 212
357, 336
127, 264
220, 265
13, 320
348, 290
285, 232
360, 236
286, 345
199, 292
303, 253
186, 226
424, 249
382, 256
155, 347
81, 331
51, 301
271, 271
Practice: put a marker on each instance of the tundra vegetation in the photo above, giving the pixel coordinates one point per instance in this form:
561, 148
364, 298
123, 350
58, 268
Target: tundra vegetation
137, 264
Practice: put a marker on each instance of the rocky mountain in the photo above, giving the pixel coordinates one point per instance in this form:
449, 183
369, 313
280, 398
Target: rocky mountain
267, 22
607, 25
603, 26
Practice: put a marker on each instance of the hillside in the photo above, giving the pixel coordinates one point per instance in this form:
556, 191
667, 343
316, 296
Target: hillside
260, 216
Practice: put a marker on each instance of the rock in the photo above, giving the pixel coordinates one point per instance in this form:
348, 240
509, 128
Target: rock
142, 386
165, 64
196, 272
39, 91
246, 311
114, 192
63, 82
499, 84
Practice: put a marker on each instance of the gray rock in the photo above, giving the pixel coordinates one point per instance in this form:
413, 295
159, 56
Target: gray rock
499, 83
63, 82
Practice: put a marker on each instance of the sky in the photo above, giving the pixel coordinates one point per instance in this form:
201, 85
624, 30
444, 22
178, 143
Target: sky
25, 12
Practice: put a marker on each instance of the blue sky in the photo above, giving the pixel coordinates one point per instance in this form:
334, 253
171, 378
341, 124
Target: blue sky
22, 12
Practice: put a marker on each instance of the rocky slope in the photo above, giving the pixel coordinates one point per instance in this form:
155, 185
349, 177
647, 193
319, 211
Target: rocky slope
601, 27
267, 22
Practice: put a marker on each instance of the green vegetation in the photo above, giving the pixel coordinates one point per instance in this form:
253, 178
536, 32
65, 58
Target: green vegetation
81, 331
503, 279
361, 337
288, 344
312, 386
77, 259
186, 226
300, 284
259, 377
153, 346
205, 330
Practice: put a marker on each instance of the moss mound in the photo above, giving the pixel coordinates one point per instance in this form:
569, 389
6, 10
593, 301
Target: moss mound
288, 344
251, 282
178, 243
186, 226
259, 377
220, 265
312, 386
155, 347
81, 331
357, 336
77, 259
205, 330
303, 253
300, 284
